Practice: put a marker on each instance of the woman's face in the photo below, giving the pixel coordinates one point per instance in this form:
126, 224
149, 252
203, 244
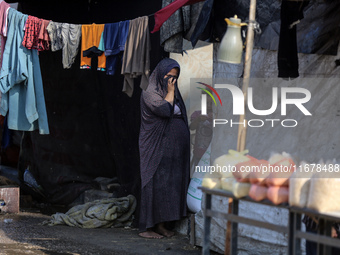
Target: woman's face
172, 73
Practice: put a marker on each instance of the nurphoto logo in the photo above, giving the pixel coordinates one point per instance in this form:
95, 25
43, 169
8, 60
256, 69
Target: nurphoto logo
239, 106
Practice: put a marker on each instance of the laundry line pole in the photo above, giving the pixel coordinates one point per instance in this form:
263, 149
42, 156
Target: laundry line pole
242, 129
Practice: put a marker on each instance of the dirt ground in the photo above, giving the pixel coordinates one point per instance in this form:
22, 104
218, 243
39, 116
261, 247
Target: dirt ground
23, 233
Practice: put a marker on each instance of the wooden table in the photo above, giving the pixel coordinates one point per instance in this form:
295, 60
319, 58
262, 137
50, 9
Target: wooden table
293, 227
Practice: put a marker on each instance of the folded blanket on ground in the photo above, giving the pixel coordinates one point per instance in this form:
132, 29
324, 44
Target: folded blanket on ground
104, 213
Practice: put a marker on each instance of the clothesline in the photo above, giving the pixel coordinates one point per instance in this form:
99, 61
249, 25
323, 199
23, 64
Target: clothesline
23, 99
56, 28
127, 42
58, 34
106, 41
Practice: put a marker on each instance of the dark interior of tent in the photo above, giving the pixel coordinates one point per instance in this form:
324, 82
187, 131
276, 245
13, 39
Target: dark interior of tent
94, 126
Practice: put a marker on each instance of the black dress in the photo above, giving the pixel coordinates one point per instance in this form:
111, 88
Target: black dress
164, 144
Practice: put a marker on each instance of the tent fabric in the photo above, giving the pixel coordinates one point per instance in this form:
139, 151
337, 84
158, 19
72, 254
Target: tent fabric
320, 25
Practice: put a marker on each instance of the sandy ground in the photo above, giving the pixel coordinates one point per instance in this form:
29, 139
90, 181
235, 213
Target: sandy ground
23, 233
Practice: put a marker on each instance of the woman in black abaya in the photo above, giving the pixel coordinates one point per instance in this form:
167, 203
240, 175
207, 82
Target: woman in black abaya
164, 144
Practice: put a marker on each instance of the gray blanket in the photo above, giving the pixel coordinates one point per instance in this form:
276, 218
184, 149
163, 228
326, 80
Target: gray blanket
102, 213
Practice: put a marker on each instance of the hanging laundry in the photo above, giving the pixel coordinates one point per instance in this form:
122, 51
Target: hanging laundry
3, 29
91, 35
163, 14
136, 57
3, 26
66, 37
173, 29
71, 38
21, 81
291, 14
44, 38
32, 29
202, 22
54, 32
195, 11
32, 32
179, 25
113, 39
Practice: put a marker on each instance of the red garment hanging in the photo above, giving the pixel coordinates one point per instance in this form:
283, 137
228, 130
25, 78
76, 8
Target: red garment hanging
164, 14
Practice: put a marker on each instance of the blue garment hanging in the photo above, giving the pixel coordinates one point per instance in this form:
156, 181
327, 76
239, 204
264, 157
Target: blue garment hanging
114, 37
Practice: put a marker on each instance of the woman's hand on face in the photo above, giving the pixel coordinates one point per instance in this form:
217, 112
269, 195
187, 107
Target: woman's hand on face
171, 84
